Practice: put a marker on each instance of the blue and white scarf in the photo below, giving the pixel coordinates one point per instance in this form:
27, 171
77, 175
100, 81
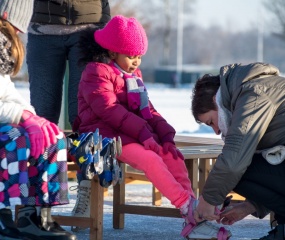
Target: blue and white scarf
137, 93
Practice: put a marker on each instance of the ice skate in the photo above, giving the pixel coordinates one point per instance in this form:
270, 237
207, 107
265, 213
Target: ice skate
8, 228
82, 205
204, 229
112, 173
95, 155
86, 149
38, 228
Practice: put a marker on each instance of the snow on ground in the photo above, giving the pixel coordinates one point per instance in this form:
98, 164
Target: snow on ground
174, 105
139, 227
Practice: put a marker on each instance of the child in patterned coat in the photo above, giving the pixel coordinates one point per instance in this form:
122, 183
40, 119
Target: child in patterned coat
33, 167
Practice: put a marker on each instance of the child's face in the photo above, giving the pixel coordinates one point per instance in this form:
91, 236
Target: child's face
127, 63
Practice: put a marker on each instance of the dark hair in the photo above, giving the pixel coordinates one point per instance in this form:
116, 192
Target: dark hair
89, 50
203, 94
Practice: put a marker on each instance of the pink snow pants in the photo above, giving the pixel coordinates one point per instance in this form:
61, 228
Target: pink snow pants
168, 175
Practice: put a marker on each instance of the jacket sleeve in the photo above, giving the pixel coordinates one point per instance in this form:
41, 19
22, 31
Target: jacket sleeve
253, 112
12, 103
261, 211
100, 96
161, 127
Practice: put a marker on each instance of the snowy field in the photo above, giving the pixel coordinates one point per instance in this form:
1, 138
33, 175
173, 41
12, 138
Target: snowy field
174, 105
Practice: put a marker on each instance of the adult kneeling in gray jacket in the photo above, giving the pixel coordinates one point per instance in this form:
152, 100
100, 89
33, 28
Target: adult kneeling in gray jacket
246, 104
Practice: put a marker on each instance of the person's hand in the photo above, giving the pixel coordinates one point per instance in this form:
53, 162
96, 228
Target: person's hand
170, 147
205, 211
49, 129
151, 144
31, 125
236, 213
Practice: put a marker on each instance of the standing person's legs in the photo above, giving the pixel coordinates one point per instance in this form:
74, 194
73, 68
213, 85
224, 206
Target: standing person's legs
71, 41
84, 187
46, 60
157, 172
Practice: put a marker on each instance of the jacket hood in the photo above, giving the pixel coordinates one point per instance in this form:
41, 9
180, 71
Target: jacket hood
234, 75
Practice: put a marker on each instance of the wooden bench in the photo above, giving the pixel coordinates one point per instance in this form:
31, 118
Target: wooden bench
95, 221
194, 161
197, 159
184, 141
199, 156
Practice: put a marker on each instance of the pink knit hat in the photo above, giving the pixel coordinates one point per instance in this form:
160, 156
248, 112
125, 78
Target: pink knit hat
123, 35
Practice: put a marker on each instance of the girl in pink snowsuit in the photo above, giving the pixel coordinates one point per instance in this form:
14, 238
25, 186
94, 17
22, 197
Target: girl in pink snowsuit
113, 98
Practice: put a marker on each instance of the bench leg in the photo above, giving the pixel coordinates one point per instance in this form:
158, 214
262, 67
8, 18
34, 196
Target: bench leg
156, 196
204, 170
118, 200
96, 210
193, 168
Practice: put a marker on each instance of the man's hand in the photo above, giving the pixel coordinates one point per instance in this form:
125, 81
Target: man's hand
205, 211
236, 213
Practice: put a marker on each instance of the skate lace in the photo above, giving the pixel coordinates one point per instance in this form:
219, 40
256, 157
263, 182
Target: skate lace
190, 223
82, 200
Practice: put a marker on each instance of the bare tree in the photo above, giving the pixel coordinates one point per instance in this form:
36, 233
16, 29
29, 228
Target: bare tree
277, 8
166, 38
158, 17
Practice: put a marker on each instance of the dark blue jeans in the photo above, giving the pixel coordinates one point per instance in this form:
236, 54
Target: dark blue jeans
47, 58
264, 183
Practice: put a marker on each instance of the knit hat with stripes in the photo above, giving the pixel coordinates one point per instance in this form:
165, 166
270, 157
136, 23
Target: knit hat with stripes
17, 12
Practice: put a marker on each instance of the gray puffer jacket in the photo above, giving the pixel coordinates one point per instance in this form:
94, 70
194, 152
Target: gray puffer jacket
254, 94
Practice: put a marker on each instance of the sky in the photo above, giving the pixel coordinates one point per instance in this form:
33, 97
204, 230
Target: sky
237, 15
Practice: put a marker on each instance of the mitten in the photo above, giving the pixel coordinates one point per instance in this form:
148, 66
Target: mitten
170, 147
151, 144
49, 129
35, 133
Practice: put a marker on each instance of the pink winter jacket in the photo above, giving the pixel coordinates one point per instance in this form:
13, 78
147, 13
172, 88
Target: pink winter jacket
102, 104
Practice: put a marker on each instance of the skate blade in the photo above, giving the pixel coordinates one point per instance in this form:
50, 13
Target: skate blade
116, 173
98, 160
119, 146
